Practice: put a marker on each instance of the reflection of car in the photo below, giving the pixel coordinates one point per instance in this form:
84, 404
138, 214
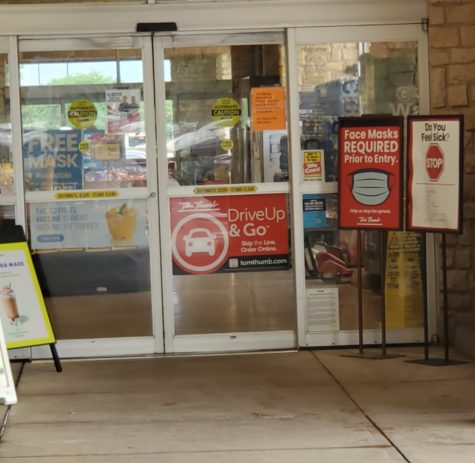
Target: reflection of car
131, 171
199, 240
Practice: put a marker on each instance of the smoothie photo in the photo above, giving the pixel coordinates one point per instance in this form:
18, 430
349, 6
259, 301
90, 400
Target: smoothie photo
8, 303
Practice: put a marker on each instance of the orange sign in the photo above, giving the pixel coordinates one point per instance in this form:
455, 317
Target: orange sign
268, 108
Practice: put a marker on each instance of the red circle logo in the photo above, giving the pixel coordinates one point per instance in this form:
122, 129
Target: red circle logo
434, 162
200, 243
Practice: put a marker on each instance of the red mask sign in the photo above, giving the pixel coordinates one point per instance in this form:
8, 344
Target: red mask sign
229, 233
370, 164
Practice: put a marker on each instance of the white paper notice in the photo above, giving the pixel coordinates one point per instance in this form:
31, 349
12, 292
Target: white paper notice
322, 310
434, 162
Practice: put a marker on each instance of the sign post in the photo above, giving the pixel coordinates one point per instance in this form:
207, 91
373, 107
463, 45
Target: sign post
370, 188
434, 193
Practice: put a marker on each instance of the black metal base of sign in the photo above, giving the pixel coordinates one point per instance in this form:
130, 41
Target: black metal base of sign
57, 361
438, 362
373, 356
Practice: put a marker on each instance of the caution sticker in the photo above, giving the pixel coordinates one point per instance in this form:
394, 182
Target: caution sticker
84, 147
226, 111
87, 194
227, 144
224, 189
82, 114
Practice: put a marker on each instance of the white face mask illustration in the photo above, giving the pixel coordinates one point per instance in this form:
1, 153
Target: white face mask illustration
370, 187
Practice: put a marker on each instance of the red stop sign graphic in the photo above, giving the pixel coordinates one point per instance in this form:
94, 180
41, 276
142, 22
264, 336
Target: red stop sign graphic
434, 162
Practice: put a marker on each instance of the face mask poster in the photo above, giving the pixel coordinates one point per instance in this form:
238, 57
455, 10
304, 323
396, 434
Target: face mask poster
370, 166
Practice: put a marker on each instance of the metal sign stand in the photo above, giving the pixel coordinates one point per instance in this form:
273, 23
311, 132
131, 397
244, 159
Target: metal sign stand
361, 353
445, 361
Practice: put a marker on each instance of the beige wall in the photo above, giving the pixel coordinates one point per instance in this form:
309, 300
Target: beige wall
452, 64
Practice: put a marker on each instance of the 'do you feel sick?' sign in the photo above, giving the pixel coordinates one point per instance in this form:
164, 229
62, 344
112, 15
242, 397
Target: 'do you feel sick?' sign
435, 160
370, 166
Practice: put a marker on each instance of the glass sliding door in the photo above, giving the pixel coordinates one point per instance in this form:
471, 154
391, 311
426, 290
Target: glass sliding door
228, 267
86, 178
351, 77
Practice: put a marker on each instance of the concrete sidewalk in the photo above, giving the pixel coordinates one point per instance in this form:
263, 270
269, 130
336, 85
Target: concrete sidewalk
282, 407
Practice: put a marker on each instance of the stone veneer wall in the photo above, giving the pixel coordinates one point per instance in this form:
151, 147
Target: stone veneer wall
452, 66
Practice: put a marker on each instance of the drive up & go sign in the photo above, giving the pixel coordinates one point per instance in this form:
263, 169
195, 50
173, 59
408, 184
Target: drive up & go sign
229, 233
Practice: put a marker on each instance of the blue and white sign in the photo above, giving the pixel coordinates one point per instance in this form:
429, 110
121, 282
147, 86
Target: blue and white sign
88, 224
52, 160
319, 211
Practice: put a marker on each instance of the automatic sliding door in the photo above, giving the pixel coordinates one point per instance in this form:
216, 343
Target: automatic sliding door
229, 256
86, 179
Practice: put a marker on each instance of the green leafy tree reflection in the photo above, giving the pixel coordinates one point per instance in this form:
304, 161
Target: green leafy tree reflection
53, 114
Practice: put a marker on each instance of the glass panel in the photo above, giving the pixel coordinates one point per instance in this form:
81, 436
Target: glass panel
93, 265
6, 164
217, 132
232, 264
83, 126
349, 79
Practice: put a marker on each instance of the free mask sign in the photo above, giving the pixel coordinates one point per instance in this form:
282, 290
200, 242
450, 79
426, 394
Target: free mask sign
370, 166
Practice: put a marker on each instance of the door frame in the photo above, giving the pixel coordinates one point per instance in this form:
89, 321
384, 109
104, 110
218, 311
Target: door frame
95, 346
337, 34
72, 21
213, 342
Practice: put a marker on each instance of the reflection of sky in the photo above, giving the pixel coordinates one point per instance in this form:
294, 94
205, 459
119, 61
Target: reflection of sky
43, 73
105, 68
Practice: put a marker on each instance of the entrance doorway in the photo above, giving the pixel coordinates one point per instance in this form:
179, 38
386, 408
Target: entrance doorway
179, 239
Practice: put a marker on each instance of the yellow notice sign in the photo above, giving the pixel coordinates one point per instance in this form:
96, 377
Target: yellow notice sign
224, 189
268, 108
22, 309
226, 111
312, 165
86, 194
82, 114
404, 297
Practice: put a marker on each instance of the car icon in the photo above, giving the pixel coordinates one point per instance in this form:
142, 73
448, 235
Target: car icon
199, 240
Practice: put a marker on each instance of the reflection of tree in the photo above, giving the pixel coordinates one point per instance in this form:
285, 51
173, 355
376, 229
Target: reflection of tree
89, 78
48, 116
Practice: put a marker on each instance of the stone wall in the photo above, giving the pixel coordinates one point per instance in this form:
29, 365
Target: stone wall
452, 65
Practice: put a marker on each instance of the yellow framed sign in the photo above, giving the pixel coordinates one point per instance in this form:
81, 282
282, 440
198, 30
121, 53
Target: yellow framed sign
22, 308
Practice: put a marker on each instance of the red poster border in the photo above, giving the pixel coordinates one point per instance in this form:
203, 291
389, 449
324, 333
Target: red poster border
372, 121
410, 171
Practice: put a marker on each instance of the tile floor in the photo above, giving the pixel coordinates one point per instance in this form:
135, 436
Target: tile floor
298, 407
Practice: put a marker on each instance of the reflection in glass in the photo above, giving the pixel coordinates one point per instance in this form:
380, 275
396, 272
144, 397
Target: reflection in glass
353, 79
98, 285
76, 133
211, 139
6, 164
